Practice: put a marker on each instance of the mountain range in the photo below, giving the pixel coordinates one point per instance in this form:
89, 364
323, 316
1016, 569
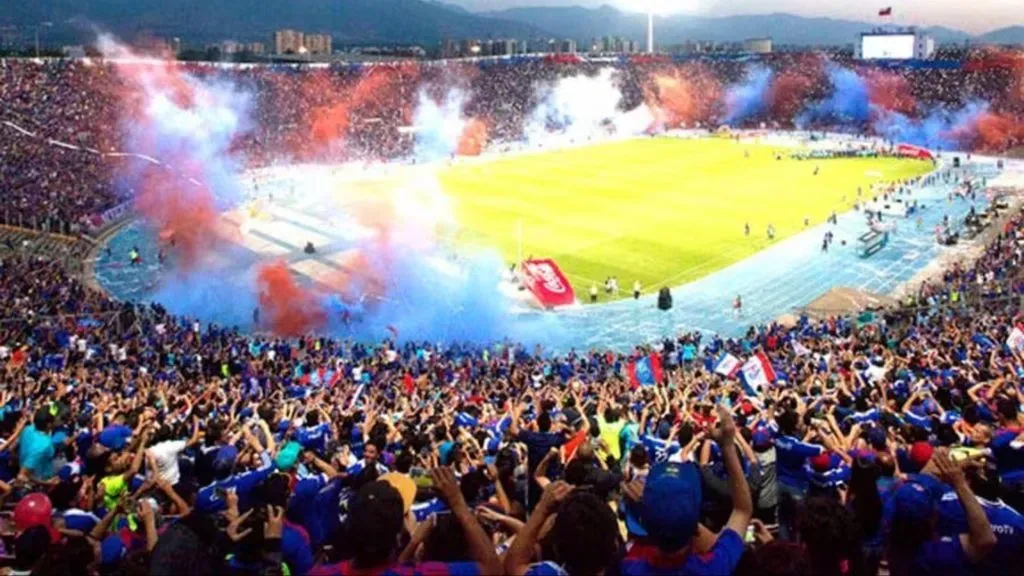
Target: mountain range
424, 22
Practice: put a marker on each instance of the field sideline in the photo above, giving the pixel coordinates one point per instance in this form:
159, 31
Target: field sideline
661, 210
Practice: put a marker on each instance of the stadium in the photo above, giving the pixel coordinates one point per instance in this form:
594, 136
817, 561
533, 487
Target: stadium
749, 314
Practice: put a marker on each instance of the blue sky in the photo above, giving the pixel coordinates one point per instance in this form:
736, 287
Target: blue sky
973, 16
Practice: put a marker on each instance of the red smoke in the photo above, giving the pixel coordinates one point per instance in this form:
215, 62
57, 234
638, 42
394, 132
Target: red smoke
473, 138
173, 195
890, 92
183, 213
330, 123
684, 96
793, 86
287, 309
788, 93
336, 106
997, 133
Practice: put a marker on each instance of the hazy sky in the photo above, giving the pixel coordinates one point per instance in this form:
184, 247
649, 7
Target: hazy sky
970, 15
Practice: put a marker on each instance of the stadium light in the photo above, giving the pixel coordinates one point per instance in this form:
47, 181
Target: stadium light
39, 27
658, 8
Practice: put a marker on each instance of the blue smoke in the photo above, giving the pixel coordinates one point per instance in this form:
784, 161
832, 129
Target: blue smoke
431, 298
941, 129
227, 299
849, 104
748, 99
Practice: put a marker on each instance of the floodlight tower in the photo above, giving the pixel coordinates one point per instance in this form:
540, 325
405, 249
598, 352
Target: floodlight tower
650, 29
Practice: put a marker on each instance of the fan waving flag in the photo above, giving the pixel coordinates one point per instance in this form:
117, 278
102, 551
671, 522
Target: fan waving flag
644, 371
1016, 339
887, 11
757, 373
727, 365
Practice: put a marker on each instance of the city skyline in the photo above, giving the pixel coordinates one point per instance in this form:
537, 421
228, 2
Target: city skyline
975, 17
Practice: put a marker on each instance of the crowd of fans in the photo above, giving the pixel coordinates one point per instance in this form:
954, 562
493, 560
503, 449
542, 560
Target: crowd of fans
139, 442
299, 112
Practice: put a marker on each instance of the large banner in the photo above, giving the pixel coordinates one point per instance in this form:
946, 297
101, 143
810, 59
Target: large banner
545, 280
911, 151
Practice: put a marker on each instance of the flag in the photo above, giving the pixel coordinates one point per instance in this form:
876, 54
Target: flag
1016, 339
757, 373
644, 371
887, 11
727, 365
984, 341
408, 383
355, 397
800, 349
332, 377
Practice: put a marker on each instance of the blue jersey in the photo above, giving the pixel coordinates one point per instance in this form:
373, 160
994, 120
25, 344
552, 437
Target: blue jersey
360, 465
1006, 522
314, 437
659, 450
871, 415
936, 557
208, 499
837, 473
917, 420
1009, 456
790, 455
423, 510
647, 560
295, 549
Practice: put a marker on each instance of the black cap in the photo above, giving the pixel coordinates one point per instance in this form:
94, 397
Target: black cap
375, 519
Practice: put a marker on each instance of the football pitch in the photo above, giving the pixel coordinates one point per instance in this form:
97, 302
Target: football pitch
663, 211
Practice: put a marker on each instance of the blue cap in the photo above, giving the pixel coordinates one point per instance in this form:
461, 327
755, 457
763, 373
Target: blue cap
115, 436
761, 438
79, 520
877, 437
671, 504
224, 461
111, 550
912, 502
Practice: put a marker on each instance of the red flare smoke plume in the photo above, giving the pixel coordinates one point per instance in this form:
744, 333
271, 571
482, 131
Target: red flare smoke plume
337, 106
788, 93
997, 133
683, 96
890, 92
473, 138
172, 196
287, 308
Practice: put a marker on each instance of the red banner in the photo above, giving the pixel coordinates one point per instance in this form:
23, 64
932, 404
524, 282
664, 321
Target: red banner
545, 280
910, 151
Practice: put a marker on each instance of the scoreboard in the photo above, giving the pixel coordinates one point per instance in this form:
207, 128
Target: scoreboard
888, 46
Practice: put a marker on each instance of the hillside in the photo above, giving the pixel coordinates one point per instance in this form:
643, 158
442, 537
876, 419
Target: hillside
398, 21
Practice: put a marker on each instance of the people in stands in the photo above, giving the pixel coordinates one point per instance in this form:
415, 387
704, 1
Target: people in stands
168, 445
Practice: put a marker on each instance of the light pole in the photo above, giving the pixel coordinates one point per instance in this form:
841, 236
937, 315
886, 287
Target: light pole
38, 27
650, 30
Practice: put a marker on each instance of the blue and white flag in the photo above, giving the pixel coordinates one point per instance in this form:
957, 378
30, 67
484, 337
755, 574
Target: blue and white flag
727, 365
757, 373
800, 349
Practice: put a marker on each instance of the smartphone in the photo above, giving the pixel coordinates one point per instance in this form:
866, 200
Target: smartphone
748, 538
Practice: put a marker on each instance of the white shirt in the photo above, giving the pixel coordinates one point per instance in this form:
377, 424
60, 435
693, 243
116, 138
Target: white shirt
166, 456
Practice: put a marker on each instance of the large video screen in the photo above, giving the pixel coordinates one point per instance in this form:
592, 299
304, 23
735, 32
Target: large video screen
887, 46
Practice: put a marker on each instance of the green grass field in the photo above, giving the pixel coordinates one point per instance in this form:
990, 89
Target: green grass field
663, 210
